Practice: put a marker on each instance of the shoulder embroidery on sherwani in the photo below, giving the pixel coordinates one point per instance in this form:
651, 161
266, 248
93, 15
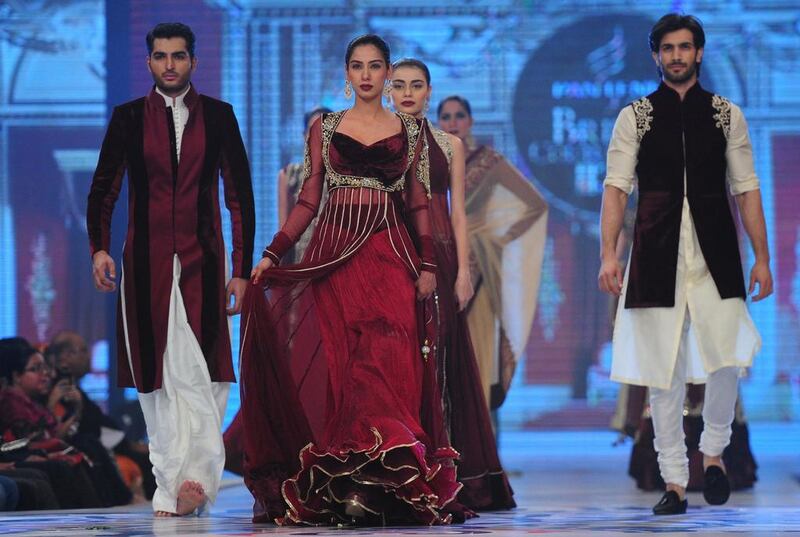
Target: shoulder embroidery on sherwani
723, 115
643, 109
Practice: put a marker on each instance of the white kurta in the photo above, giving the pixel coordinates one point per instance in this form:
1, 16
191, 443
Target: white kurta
646, 341
180, 116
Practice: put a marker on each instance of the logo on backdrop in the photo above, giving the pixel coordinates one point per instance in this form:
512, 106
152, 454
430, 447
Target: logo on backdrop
567, 99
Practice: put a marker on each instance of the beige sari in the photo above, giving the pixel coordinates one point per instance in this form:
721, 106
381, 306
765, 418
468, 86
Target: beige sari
507, 227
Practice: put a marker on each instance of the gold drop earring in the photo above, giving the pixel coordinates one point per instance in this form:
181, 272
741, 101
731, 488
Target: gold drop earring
387, 89
426, 107
348, 89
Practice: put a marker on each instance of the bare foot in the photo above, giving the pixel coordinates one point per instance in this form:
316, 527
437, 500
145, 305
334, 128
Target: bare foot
679, 489
163, 514
190, 496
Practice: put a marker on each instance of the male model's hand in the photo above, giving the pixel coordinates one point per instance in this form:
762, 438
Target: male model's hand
426, 285
610, 278
104, 271
760, 274
236, 289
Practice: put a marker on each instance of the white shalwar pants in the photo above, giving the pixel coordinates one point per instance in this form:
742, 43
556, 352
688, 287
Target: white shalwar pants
184, 417
666, 407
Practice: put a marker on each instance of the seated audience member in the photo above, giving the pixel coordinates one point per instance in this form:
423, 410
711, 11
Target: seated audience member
27, 408
69, 354
34, 491
9, 494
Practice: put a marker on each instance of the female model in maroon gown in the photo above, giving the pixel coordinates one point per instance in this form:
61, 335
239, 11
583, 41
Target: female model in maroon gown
467, 414
376, 456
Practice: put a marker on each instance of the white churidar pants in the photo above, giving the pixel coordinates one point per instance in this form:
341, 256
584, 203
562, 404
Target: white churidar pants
184, 417
666, 407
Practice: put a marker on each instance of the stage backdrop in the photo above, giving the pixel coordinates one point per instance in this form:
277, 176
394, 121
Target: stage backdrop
546, 81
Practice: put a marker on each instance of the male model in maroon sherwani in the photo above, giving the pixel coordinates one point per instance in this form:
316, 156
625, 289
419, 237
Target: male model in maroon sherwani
173, 333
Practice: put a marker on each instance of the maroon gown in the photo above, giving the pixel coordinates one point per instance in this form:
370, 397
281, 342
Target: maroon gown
340, 411
485, 483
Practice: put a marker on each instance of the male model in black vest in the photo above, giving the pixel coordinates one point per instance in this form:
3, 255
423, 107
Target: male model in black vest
682, 315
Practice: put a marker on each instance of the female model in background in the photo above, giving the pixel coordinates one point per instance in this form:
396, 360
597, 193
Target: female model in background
466, 412
507, 229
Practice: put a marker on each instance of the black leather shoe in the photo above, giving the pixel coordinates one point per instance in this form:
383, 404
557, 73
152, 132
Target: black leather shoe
716, 487
670, 504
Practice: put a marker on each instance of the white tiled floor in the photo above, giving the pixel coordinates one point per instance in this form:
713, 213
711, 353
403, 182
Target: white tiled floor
566, 484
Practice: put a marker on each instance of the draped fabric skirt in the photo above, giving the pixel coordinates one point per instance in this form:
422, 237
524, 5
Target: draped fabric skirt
374, 455
486, 485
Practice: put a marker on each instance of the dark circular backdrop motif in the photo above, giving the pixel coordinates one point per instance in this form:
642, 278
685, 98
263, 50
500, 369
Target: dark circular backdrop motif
568, 97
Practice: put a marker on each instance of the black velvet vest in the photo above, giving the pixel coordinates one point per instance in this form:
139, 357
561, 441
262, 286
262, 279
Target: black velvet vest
676, 135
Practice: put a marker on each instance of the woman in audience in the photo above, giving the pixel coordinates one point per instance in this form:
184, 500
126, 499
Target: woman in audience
26, 411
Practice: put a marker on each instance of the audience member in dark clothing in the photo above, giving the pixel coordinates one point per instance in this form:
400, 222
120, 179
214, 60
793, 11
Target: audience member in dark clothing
69, 354
24, 416
9, 494
34, 489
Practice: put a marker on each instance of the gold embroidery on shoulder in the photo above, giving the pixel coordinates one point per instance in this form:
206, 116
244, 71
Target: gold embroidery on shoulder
444, 142
643, 109
723, 115
413, 132
292, 172
479, 162
424, 168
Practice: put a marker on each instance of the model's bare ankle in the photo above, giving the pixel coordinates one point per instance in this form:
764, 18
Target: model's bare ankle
713, 461
681, 491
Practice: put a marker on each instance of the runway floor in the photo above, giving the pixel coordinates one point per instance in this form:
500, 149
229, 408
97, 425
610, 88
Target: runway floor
566, 484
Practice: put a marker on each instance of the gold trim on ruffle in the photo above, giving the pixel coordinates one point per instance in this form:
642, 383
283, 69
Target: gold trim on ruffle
420, 503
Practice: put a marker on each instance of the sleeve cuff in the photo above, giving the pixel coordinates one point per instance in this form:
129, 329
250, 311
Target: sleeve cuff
427, 253
740, 187
278, 247
428, 267
622, 184
272, 255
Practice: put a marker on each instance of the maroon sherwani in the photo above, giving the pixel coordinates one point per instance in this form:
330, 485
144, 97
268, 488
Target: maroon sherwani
173, 209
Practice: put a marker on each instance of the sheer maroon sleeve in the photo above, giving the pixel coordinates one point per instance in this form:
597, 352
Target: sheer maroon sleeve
417, 195
307, 202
